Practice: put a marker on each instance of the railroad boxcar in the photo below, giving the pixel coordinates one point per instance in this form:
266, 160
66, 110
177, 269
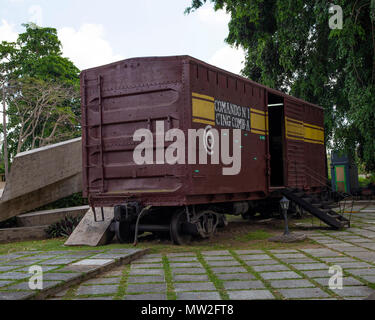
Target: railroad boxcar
281, 145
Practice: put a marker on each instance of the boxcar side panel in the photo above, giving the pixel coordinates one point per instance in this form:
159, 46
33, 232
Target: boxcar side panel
209, 89
118, 100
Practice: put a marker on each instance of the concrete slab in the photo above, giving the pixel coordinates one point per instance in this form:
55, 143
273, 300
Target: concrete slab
146, 288
143, 279
280, 275
42, 176
240, 285
91, 233
190, 277
235, 276
147, 296
251, 295
48, 217
93, 262
299, 283
195, 286
303, 293
97, 290
198, 296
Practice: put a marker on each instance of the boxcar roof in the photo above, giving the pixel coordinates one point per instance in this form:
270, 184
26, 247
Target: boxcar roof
186, 57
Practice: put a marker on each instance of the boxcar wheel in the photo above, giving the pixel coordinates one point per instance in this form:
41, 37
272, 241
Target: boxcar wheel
123, 231
178, 235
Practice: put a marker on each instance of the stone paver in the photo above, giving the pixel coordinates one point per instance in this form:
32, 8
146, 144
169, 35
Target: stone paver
277, 267
348, 281
280, 275
4, 283
251, 295
97, 290
223, 263
147, 272
147, 296
219, 258
196, 286
299, 283
198, 296
146, 288
146, 279
255, 257
354, 291
216, 253
228, 269
235, 276
261, 262
304, 293
15, 295
188, 271
239, 285
147, 265
186, 265
190, 277
14, 276
311, 266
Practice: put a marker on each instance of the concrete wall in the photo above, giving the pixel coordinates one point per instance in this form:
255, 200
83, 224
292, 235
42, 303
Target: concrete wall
42, 176
48, 217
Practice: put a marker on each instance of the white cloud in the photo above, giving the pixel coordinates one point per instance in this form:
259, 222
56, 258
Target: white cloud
208, 15
229, 59
7, 32
87, 46
36, 14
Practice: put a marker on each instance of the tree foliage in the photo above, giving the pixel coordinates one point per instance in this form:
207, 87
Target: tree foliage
42, 90
290, 46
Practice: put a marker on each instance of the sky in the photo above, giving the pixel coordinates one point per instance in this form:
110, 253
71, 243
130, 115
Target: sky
96, 32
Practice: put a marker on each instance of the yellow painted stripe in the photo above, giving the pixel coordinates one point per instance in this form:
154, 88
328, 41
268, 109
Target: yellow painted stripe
313, 126
257, 111
264, 133
314, 134
258, 122
298, 130
203, 109
212, 123
203, 96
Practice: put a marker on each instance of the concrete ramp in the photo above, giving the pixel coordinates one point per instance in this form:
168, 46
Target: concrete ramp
91, 233
42, 176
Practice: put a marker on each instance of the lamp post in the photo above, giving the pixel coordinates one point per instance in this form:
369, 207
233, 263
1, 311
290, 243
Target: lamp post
284, 204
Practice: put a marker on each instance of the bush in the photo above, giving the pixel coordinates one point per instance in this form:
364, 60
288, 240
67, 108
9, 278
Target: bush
63, 228
74, 200
10, 223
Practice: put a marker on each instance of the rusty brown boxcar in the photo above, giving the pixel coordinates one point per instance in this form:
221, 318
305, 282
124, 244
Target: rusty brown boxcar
282, 144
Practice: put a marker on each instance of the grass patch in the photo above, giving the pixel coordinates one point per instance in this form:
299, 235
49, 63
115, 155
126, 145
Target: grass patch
212, 277
171, 295
255, 235
123, 283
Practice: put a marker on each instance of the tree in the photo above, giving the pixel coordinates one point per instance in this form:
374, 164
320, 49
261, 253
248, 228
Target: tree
290, 46
44, 106
42, 113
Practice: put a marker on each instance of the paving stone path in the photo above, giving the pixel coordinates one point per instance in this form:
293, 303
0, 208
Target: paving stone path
248, 274
58, 267
220, 274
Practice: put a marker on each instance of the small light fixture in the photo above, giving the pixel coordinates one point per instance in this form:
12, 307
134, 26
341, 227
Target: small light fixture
284, 203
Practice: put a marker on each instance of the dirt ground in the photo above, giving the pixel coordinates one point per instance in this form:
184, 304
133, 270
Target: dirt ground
242, 234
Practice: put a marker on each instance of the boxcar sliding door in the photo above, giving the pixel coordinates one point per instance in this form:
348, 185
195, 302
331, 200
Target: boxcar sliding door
294, 144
